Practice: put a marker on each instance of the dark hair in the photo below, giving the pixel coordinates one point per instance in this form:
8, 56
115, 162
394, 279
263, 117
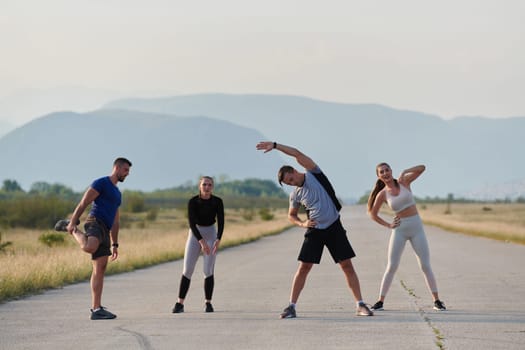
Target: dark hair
285, 169
120, 161
378, 187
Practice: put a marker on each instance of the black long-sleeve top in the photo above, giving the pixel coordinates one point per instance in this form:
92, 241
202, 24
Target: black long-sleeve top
204, 212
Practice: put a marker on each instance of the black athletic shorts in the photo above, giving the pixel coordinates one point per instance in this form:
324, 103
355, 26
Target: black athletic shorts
333, 237
96, 228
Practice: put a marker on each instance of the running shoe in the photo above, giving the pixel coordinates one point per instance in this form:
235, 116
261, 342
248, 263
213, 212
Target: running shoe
289, 312
102, 314
363, 310
439, 305
61, 225
178, 308
377, 306
209, 307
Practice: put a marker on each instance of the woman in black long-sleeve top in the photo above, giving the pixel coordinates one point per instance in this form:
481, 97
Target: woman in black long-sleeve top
204, 210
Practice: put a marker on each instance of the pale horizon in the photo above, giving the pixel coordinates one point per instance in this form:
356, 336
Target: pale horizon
447, 59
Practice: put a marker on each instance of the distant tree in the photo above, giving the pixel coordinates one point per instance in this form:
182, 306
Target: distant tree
33, 211
46, 189
11, 186
134, 202
250, 187
40, 187
364, 198
249, 193
450, 199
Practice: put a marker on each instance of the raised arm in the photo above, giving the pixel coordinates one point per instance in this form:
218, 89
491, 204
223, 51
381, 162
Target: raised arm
408, 175
305, 161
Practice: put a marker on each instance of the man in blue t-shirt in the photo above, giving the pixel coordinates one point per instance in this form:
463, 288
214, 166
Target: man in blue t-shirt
323, 226
101, 229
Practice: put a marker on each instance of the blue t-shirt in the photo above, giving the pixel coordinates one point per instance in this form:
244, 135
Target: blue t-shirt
315, 199
108, 201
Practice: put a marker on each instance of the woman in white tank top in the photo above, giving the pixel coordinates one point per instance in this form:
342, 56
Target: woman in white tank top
406, 226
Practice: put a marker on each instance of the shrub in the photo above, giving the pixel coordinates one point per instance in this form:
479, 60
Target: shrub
265, 214
52, 239
4, 245
33, 211
134, 202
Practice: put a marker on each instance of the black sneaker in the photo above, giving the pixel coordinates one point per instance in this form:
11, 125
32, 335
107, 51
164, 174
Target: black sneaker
439, 305
209, 307
377, 306
61, 225
178, 308
102, 314
289, 312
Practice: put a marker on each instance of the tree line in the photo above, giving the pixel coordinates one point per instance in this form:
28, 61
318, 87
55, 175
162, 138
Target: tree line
450, 198
45, 203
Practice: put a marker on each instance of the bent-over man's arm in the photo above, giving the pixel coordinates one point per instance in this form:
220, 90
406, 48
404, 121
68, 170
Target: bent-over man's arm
301, 158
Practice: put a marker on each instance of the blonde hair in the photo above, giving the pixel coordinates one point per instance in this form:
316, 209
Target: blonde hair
206, 178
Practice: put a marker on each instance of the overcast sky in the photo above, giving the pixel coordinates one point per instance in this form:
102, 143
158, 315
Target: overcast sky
447, 57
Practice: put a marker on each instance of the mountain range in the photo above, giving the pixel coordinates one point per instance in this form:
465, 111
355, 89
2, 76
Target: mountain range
173, 140
464, 156
166, 151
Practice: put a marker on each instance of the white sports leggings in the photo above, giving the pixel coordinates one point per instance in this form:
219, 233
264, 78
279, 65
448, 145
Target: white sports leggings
411, 229
193, 250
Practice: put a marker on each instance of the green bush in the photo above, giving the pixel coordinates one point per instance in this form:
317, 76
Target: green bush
134, 202
4, 245
52, 239
33, 211
265, 214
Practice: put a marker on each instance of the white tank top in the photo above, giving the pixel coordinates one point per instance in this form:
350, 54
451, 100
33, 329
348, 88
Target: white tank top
402, 201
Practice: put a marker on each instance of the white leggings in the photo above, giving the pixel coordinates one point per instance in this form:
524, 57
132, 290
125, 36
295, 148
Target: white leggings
193, 250
411, 229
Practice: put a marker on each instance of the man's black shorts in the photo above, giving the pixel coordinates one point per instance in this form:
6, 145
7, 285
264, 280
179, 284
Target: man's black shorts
96, 228
333, 237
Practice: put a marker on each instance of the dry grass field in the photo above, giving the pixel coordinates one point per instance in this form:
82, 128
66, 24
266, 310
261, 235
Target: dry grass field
29, 266
501, 221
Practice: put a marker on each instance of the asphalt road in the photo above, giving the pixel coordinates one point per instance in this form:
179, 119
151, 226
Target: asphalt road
481, 282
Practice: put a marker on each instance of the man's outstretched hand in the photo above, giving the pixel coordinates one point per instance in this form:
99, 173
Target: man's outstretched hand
265, 146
